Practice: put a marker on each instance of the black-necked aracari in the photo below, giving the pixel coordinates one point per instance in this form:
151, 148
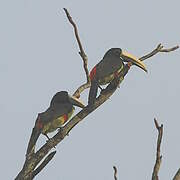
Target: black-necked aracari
60, 110
105, 71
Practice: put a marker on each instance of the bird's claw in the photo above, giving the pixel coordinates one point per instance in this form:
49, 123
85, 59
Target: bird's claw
49, 140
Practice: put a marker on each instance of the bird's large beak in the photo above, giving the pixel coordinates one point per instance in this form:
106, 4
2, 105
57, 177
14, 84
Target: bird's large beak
75, 101
130, 58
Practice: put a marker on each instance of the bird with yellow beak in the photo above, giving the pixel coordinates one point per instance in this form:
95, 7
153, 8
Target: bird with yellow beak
60, 110
108, 68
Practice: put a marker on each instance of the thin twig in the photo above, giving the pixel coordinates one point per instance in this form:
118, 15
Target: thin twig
170, 49
80, 89
82, 54
43, 164
158, 156
158, 49
115, 172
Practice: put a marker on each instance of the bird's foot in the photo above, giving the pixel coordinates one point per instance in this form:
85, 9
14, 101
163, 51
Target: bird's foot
49, 139
102, 89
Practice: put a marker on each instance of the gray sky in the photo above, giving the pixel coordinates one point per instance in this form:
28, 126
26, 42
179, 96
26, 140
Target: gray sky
39, 56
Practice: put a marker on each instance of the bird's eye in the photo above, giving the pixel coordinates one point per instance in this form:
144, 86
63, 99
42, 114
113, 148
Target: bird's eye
117, 52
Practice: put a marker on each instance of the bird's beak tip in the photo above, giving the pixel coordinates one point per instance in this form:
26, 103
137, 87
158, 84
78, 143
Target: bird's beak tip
145, 70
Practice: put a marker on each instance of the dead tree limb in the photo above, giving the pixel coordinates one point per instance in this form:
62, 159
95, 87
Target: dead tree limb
115, 172
158, 155
43, 164
28, 171
158, 49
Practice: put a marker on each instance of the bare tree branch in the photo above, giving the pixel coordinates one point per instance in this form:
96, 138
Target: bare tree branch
34, 159
158, 156
170, 49
43, 164
158, 49
82, 54
177, 175
115, 172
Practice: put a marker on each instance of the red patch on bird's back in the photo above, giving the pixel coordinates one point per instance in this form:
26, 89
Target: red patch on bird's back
65, 116
93, 73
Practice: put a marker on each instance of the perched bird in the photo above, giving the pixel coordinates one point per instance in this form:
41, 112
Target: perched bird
108, 68
60, 110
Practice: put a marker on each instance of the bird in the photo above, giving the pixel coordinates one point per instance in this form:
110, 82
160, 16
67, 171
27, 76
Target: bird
60, 110
108, 68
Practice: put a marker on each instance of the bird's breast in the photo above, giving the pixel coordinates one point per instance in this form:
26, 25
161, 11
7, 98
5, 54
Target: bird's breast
108, 78
56, 123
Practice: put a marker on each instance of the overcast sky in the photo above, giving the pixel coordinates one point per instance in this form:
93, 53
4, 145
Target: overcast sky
39, 56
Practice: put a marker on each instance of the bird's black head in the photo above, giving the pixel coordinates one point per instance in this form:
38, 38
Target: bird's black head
60, 97
116, 52
124, 57
63, 97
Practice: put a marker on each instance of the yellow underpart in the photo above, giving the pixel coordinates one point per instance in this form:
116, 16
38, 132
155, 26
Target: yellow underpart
56, 123
109, 78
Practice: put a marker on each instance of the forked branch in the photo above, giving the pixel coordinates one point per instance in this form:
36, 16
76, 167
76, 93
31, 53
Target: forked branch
43, 164
158, 49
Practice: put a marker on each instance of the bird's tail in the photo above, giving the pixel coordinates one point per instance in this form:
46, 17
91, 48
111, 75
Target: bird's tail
34, 137
93, 92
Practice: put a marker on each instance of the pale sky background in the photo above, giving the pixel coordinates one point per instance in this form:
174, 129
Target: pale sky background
39, 56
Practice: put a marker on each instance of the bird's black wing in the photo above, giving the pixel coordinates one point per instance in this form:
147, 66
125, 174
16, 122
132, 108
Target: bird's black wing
55, 111
108, 66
